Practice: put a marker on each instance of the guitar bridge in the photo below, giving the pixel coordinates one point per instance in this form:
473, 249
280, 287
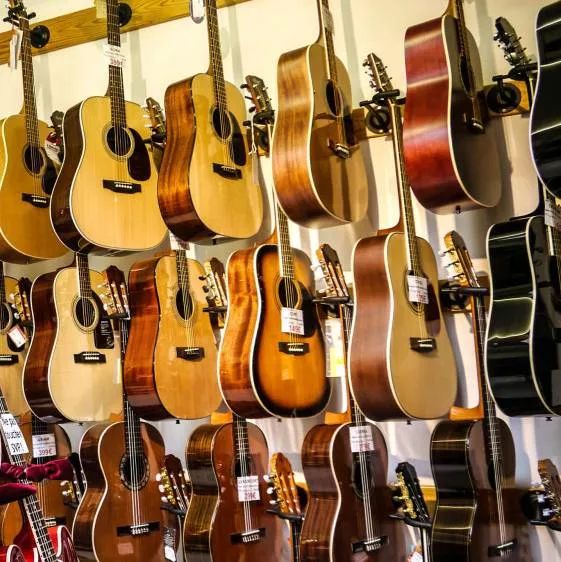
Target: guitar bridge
294, 348
121, 186
502, 549
341, 150
422, 345
190, 353
228, 172
41, 201
255, 535
139, 529
89, 357
8, 359
369, 545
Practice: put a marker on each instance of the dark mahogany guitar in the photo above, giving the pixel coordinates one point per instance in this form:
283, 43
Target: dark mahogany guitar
445, 135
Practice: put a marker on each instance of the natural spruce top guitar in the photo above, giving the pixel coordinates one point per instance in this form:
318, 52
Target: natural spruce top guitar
27, 175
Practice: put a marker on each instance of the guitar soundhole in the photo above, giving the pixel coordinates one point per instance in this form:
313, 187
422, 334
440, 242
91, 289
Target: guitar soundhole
289, 293
119, 141
334, 99
34, 159
86, 313
134, 471
5, 317
184, 305
221, 123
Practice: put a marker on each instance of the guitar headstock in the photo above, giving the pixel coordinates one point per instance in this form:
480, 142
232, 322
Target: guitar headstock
259, 96
284, 486
411, 499
57, 117
458, 261
22, 301
16, 12
114, 296
215, 276
173, 485
509, 42
380, 82
157, 119
332, 272
551, 482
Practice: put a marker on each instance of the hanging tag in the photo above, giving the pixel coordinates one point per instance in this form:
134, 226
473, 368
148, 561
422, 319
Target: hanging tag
552, 213
197, 10
17, 336
15, 48
361, 438
335, 348
169, 544
327, 19
176, 243
100, 9
114, 54
44, 445
292, 321
13, 435
416, 557
248, 488
417, 288
53, 151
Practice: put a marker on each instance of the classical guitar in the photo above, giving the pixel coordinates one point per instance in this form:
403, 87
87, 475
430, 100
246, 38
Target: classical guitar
206, 185
473, 464
272, 358
445, 134
345, 466
216, 292
121, 462
170, 365
551, 482
318, 169
228, 517
545, 119
159, 130
27, 175
72, 368
522, 350
401, 360
105, 197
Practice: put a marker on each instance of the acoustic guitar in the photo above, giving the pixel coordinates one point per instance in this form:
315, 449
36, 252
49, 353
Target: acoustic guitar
473, 464
170, 366
105, 197
206, 185
72, 367
551, 482
272, 358
228, 517
401, 360
318, 169
445, 131
121, 462
345, 466
545, 128
27, 175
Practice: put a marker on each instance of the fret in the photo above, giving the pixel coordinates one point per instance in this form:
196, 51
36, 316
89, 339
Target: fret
2, 284
286, 256
84, 281
241, 442
215, 55
323, 6
182, 268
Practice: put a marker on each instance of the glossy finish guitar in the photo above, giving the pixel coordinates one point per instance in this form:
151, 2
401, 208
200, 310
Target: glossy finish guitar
545, 119
219, 527
318, 169
445, 135
11, 553
206, 183
27, 175
170, 366
401, 360
105, 197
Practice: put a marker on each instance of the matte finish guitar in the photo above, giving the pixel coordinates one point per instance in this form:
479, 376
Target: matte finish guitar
401, 360
73, 341
545, 119
170, 366
318, 169
445, 136
206, 184
219, 526
27, 175
478, 516
105, 197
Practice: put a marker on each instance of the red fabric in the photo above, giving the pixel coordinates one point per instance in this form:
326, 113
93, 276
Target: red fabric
11, 471
11, 492
58, 469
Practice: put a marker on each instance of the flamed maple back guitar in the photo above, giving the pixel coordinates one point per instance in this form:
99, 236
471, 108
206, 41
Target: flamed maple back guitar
105, 197
445, 134
318, 168
206, 185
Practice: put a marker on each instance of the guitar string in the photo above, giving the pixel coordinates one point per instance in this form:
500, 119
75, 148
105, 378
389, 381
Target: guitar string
240, 430
184, 285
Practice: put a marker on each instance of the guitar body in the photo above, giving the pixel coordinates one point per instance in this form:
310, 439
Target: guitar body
121, 215
214, 513
11, 357
26, 234
335, 516
442, 155
196, 202
387, 376
315, 187
158, 383
464, 524
11, 553
523, 354
113, 500
545, 120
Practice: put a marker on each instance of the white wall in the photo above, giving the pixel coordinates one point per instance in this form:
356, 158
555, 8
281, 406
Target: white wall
254, 35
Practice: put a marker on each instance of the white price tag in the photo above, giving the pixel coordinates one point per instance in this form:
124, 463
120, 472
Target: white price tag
292, 321
18, 336
169, 553
13, 435
416, 557
15, 48
327, 19
552, 213
176, 243
53, 151
417, 288
361, 438
114, 54
44, 446
248, 488
197, 9
335, 348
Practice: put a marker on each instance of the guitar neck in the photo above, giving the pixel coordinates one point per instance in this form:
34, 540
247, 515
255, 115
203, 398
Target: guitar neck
215, 55
182, 267
116, 89
84, 281
2, 284
286, 256
326, 23
241, 444
30, 105
295, 533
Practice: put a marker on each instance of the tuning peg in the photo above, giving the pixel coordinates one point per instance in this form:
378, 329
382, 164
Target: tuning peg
244, 86
266, 477
273, 502
161, 488
270, 490
158, 477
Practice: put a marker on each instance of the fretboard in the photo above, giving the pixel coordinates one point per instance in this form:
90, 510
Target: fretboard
116, 90
215, 54
241, 443
84, 282
357, 417
2, 284
30, 105
182, 267
327, 32
286, 256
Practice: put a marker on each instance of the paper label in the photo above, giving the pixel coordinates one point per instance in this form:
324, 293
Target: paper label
361, 438
327, 19
15, 48
114, 54
417, 288
416, 557
13, 435
552, 213
17, 336
335, 348
248, 488
53, 151
197, 9
169, 553
176, 243
44, 446
292, 321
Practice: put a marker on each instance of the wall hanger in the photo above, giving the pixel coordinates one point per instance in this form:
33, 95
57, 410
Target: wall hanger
83, 26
